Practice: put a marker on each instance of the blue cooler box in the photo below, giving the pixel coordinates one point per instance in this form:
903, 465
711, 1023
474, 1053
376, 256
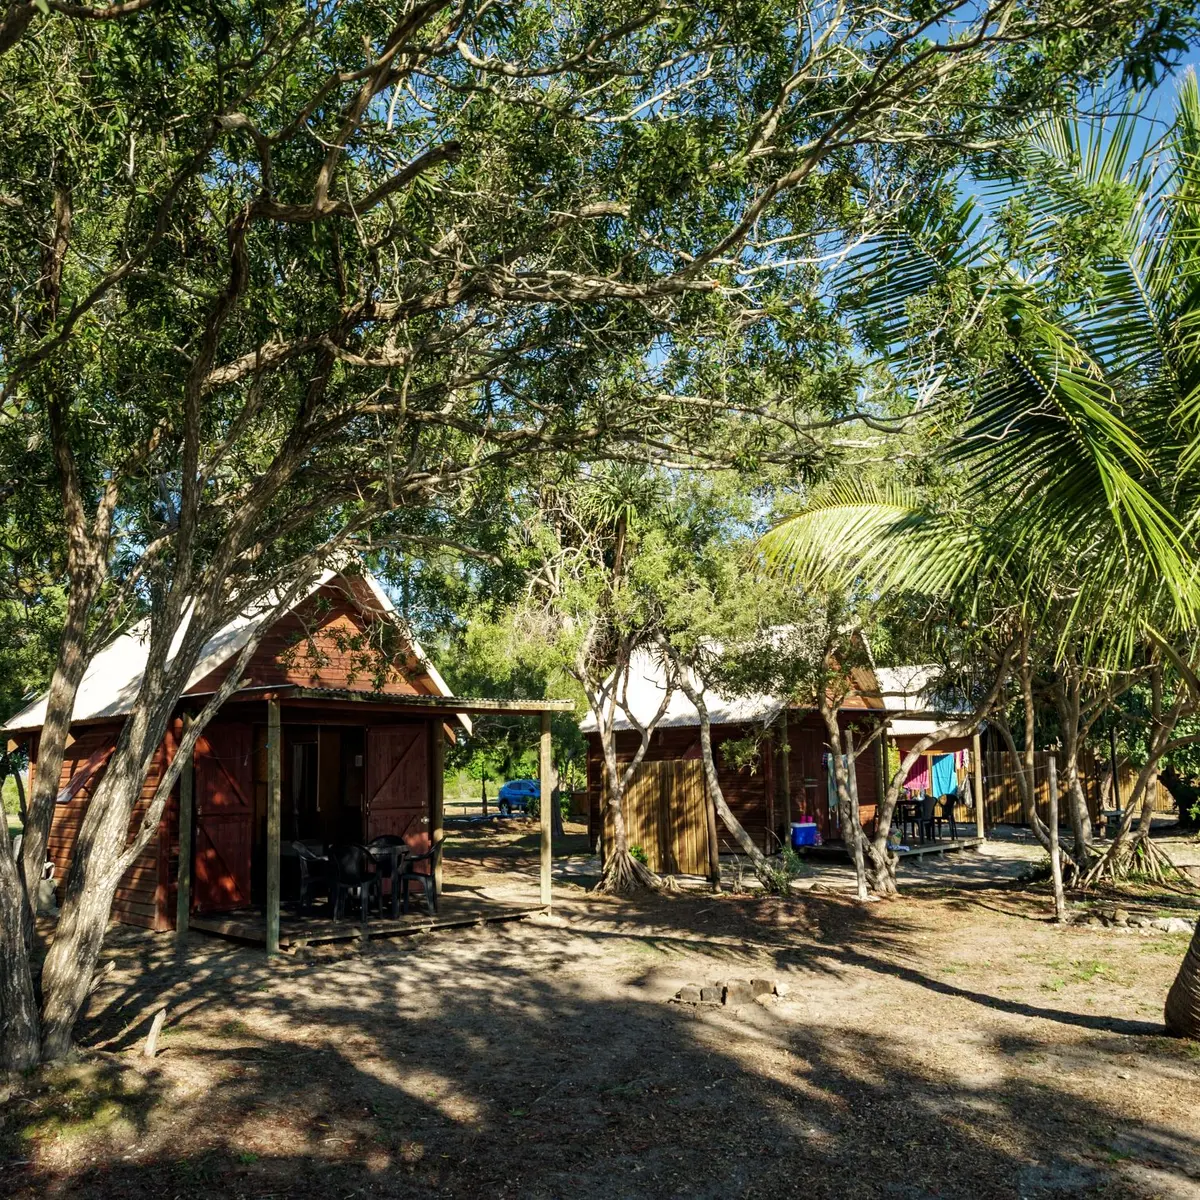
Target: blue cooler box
804, 834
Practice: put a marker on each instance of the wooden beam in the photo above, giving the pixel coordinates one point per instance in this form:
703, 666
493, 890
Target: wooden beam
187, 808
274, 804
547, 792
437, 799
445, 704
977, 764
785, 778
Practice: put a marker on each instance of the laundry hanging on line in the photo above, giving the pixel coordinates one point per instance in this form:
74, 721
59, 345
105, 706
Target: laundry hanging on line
944, 776
917, 779
831, 780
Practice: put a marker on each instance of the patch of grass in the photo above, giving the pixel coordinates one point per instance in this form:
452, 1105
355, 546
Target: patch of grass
1076, 970
247, 1157
80, 1103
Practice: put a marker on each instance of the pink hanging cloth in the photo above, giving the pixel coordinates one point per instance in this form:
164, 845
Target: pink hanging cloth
917, 779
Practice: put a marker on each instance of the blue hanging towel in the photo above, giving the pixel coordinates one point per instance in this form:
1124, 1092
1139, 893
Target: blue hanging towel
945, 778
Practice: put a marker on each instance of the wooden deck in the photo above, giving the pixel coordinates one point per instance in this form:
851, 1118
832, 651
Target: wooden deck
941, 847
837, 850
456, 912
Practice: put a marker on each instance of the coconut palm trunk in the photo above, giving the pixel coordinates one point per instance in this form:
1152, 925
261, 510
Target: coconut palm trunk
1182, 1012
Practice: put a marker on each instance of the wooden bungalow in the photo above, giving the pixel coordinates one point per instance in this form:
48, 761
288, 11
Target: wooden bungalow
328, 739
666, 804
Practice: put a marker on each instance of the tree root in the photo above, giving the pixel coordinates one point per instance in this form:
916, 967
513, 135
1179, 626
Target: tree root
624, 876
1126, 857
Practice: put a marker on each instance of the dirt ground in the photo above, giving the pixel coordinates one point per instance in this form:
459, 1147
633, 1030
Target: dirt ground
954, 1043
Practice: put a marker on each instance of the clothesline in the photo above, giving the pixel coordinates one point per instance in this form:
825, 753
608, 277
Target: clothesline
937, 773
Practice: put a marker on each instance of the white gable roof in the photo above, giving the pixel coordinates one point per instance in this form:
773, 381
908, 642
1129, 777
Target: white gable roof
111, 681
904, 689
912, 689
647, 682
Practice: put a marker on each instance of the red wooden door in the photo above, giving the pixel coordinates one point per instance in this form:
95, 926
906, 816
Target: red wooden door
224, 818
398, 783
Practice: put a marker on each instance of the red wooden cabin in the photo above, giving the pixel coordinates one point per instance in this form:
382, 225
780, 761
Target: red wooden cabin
756, 797
361, 748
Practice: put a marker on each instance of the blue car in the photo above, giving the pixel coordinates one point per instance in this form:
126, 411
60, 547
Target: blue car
515, 795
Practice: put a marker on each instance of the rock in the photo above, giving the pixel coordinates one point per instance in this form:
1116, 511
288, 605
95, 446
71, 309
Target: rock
689, 994
762, 987
1179, 925
767, 1000
710, 995
1093, 922
1139, 922
1120, 917
47, 903
782, 989
738, 991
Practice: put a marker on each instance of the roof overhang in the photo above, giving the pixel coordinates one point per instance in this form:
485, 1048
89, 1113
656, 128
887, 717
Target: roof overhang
449, 705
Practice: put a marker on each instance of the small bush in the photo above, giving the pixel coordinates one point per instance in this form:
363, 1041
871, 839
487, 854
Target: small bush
534, 807
640, 854
781, 870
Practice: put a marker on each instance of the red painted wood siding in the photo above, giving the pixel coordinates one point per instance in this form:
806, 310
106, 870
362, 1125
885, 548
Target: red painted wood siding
138, 900
224, 837
398, 783
326, 643
749, 795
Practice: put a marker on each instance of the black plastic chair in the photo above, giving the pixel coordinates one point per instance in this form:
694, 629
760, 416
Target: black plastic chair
928, 817
389, 865
314, 873
946, 817
408, 874
352, 870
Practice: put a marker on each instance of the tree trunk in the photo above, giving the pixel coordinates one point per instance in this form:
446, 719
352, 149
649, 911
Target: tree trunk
1068, 700
18, 1004
735, 827
1060, 903
87, 904
52, 741
860, 868
1182, 1011
103, 851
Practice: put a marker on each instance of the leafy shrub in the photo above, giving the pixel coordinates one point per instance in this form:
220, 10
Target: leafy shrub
640, 854
781, 870
534, 807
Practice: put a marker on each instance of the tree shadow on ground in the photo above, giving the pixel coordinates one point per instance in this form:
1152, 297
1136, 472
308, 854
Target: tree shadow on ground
513, 1062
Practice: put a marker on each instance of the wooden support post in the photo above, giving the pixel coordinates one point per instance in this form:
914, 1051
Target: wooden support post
785, 780
547, 799
1060, 904
1116, 779
437, 815
977, 767
187, 807
274, 803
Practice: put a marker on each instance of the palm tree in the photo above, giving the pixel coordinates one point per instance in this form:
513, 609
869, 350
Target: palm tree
1052, 328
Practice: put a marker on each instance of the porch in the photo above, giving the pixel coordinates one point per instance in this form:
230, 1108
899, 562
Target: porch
284, 768
458, 907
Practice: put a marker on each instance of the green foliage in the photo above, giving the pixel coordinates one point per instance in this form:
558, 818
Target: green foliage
1057, 483
534, 807
781, 870
638, 853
